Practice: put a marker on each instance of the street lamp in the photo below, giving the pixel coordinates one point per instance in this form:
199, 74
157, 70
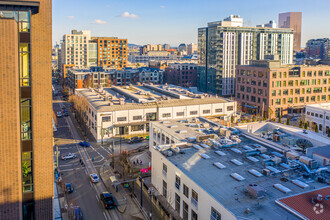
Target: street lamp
150, 196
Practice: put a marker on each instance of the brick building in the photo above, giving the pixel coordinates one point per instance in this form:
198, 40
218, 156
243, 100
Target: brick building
181, 74
26, 186
267, 87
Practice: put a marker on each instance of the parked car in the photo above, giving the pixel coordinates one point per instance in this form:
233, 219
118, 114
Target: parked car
66, 114
134, 140
107, 200
94, 178
59, 114
69, 156
69, 187
84, 144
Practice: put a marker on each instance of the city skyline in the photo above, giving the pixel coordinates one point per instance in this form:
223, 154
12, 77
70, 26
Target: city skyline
177, 22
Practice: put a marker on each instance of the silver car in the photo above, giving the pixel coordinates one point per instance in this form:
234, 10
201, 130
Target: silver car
69, 156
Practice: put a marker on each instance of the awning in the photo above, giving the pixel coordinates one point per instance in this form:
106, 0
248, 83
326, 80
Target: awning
130, 124
249, 106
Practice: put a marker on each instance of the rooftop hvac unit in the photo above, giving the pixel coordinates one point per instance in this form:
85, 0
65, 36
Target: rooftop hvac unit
292, 155
266, 172
261, 149
276, 160
255, 190
282, 188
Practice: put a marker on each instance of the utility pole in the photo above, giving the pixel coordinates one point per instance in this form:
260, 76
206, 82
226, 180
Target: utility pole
113, 153
57, 156
141, 188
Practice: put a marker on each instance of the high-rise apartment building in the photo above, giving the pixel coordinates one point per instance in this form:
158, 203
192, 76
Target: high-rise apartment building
26, 186
224, 44
268, 88
111, 52
149, 47
192, 49
75, 48
292, 20
318, 48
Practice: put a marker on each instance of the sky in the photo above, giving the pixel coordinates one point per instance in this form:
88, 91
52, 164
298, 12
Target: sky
176, 21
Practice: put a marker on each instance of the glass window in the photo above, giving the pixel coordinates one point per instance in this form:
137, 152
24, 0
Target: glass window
164, 189
180, 114
24, 21
26, 119
24, 65
106, 119
185, 211
137, 117
206, 111
27, 180
193, 112
185, 190
215, 215
166, 115
177, 203
177, 182
121, 119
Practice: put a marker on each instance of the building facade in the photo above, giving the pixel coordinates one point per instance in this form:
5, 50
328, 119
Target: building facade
292, 20
181, 74
319, 114
268, 88
146, 48
224, 44
75, 48
318, 48
192, 49
27, 186
112, 52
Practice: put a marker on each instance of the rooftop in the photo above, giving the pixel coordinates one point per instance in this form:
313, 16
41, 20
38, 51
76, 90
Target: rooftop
325, 106
226, 170
145, 96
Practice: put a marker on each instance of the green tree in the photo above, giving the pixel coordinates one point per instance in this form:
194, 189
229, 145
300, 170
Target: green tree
253, 118
280, 119
287, 121
316, 128
232, 119
306, 125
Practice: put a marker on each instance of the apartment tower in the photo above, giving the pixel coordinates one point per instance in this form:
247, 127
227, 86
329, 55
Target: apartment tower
26, 185
224, 44
292, 20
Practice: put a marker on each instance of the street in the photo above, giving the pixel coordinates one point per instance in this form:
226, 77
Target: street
86, 194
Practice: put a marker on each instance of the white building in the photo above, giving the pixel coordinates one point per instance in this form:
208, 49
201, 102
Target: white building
319, 114
192, 49
126, 111
202, 180
75, 48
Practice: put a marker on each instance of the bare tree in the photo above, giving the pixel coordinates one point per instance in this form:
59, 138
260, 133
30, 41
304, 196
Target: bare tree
80, 105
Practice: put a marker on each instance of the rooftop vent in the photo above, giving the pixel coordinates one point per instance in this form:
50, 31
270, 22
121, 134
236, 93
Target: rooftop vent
197, 147
252, 159
204, 156
236, 150
219, 165
236, 162
172, 126
205, 145
237, 177
182, 132
282, 188
300, 183
255, 173
166, 122
255, 190
220, 153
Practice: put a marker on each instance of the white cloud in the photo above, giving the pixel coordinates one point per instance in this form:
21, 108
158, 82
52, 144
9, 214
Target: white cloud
162, 6
70, 17
128, 15
98, 21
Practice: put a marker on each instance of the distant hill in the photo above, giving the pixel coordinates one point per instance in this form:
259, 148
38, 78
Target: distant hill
133, 45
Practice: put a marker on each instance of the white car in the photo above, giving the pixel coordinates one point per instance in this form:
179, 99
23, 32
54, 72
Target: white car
94, 178
59, 114
69, 156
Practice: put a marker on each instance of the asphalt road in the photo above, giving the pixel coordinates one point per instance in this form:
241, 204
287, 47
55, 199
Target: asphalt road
86, 194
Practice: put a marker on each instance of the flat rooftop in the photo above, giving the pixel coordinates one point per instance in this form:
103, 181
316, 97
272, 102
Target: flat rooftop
145, 96
226, 177
324, 106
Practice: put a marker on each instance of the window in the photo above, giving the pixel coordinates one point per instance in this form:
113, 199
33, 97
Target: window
106, 119
218, 110
185, 211
177, 182
26, 128
166, 115
164, 169
230, 108
312, 114
206, 111
121, 119
273, 92
137, 127
137, 117
180, 114
186, 191
194, 198
308, 113
27, 180
193, 112
177, 203
316, 115
215, 215
24, 63
193, 215
164, 189
151, 116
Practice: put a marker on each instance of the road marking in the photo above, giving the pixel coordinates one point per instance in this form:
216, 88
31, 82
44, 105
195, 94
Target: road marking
71, 169
71, 164
98, 154
105, 216
97, 198
86, 172
105, 149
91, 184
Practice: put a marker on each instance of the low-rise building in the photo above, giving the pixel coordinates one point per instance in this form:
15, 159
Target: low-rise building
146, 58
203, 175
127, 111
181, 74
319, 115
267, 87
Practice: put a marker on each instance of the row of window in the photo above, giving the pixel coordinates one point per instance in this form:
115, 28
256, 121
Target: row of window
300, 91
295, 73
316, 115
306, 82
300, 100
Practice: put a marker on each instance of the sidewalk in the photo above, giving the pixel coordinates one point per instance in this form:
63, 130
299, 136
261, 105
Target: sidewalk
126, 205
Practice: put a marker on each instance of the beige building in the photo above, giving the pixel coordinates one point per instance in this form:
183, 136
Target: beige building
267, 87
192, 49
26, 134
149, 47
75, 48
